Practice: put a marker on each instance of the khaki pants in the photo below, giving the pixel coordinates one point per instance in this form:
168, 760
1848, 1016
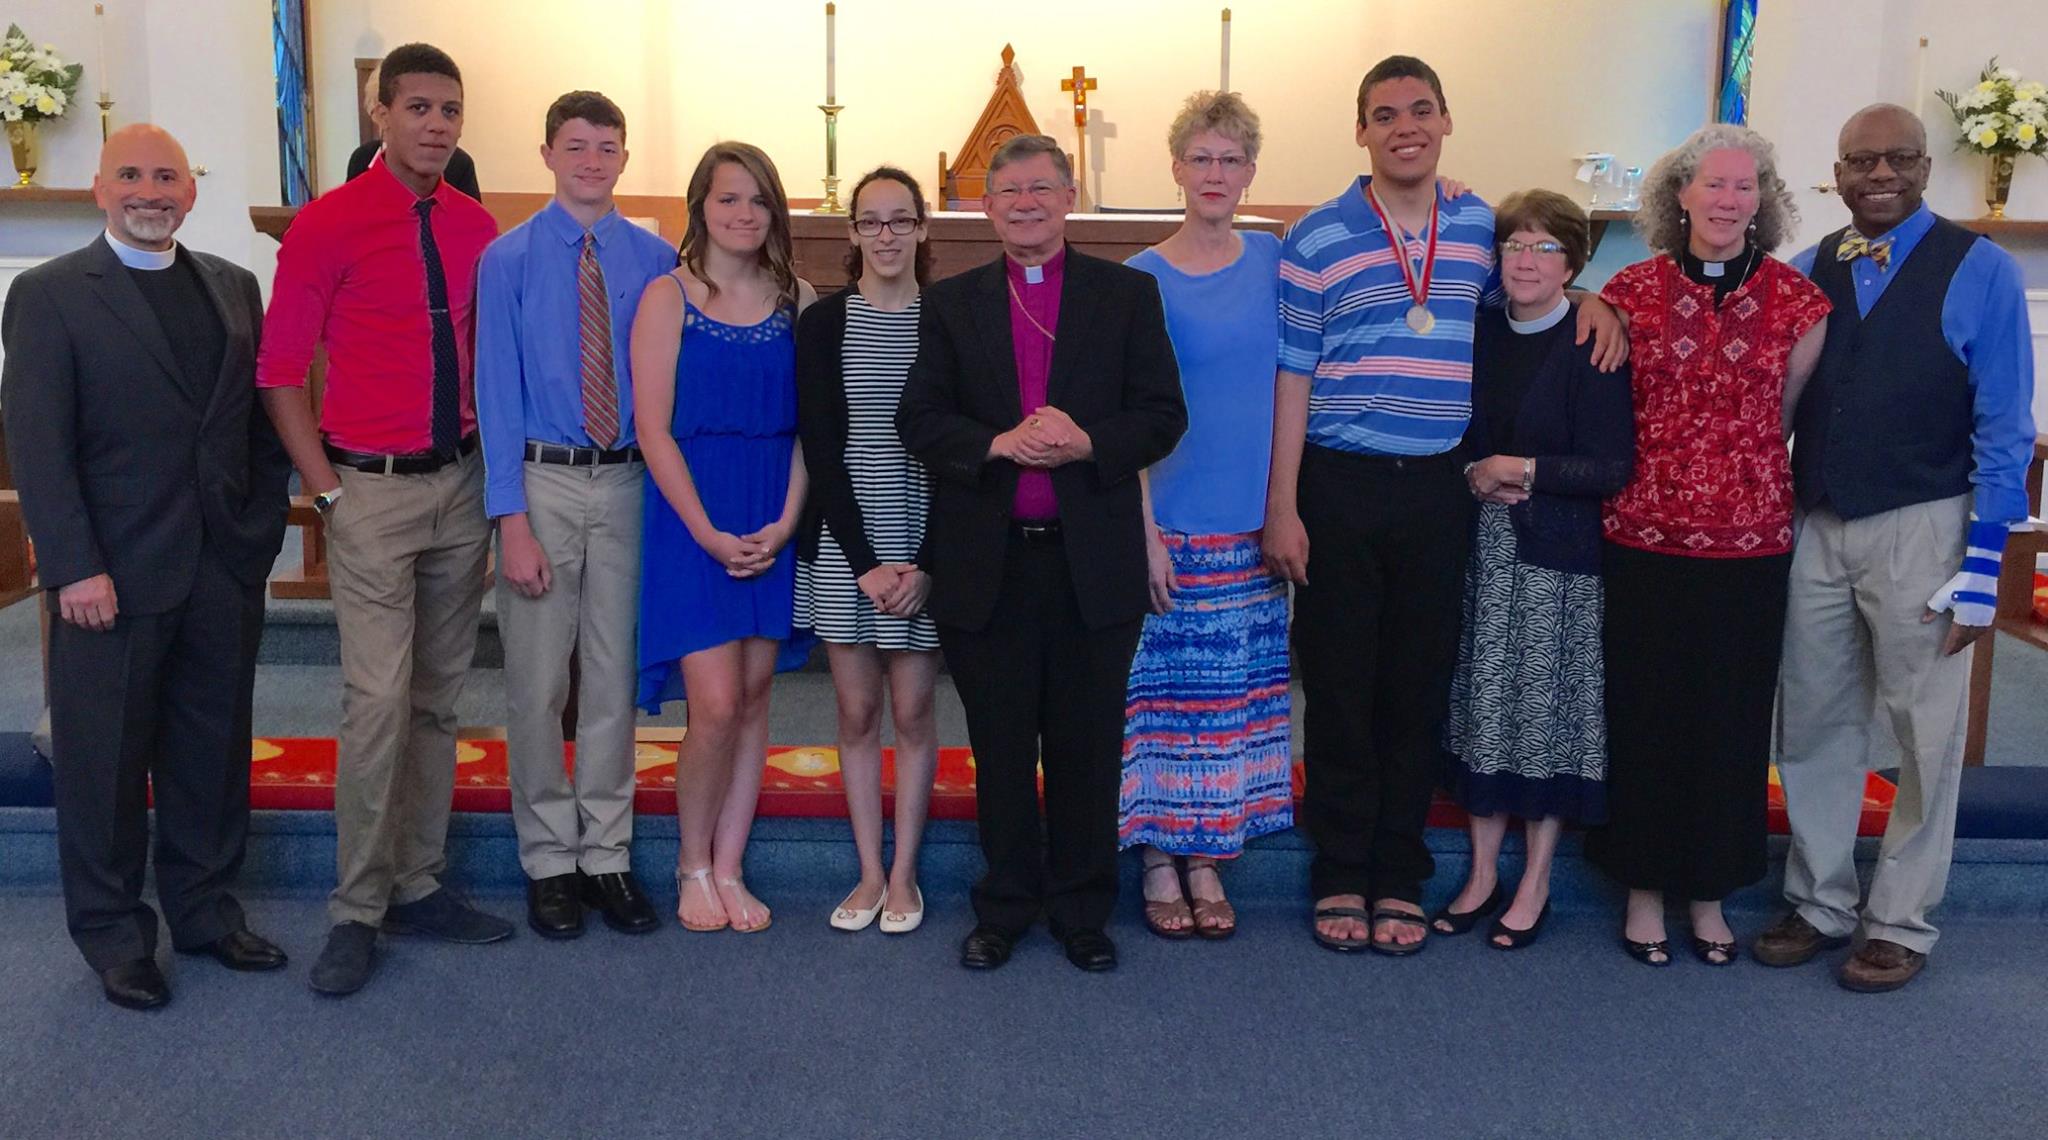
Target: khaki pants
406, 561
588, 521
1856, 650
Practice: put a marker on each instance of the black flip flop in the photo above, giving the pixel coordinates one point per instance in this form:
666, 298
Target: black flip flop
1341, 945
1396, 949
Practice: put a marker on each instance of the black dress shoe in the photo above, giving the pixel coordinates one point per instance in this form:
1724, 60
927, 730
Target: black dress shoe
346, 962
241, 950
987, 947
552, 906
617, 896
1091, 950
136, 985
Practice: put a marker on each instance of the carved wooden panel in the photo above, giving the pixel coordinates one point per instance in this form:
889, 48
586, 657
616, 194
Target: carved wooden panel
1005, 116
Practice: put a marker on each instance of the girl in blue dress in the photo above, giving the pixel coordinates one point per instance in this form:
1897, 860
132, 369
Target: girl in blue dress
714, 366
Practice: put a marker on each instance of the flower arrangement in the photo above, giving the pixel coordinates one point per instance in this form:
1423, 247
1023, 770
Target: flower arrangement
2001, 115
35, 83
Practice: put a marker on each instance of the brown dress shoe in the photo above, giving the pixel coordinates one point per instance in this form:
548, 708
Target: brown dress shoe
1792, 941
1880, 967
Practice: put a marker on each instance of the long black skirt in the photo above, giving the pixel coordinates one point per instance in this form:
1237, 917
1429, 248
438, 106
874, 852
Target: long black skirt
1692, 667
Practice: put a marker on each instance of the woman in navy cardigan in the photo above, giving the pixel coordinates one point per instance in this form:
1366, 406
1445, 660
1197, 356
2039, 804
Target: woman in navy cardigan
1551, 436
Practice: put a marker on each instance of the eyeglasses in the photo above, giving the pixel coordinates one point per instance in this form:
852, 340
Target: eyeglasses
1865, 161
1511, 247
869, 227
1231, 163
1038, 190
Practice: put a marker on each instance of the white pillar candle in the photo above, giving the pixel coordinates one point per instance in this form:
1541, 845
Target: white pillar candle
99, 24
831, 54
1226, 51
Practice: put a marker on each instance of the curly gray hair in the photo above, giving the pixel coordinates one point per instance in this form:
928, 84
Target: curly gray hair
1661, 220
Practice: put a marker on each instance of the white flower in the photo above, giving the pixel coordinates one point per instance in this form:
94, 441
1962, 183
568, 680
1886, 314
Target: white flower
1985, 138
2027, 134
2006, 73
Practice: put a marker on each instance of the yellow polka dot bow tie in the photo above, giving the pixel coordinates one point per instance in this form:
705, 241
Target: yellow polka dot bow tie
1855, 245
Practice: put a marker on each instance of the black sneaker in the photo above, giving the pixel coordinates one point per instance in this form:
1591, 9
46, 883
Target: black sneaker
347, 960
445, 916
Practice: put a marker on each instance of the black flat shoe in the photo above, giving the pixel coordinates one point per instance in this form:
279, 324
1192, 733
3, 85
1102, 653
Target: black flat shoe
241, 950
553, 909
1516, 939
1705, 951
1459, 922
1642, 951
1091, 950
987, 947
136, 985
617, 896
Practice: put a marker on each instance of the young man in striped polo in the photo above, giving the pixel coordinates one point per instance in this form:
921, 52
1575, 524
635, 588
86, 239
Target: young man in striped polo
562, 479
1367, 509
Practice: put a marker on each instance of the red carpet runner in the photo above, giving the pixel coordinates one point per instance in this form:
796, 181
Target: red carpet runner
297, 774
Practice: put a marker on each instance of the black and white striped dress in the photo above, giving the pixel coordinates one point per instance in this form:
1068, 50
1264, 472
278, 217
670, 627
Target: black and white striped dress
891, 488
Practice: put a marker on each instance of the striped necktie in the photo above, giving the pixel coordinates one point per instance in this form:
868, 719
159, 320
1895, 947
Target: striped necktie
594, 333
1855, 245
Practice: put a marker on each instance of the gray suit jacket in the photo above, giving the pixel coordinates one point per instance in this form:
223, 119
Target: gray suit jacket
124, 468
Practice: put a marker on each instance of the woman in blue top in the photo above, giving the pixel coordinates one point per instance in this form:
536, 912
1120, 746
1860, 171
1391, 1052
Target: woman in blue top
1207, 761
714, 357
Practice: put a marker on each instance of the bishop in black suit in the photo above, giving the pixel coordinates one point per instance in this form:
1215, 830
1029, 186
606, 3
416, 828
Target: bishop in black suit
157, 503
1044, 383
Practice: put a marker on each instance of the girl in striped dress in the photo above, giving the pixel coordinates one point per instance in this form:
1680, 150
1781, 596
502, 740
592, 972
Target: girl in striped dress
1207, 745
859, 587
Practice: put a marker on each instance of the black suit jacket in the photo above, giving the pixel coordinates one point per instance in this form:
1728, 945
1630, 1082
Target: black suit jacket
124, 469
1113, 371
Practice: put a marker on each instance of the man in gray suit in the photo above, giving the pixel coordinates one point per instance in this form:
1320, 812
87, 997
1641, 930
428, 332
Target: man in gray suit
157, 504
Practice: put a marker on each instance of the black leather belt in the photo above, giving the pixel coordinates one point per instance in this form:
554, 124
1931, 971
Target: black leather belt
411, 463
566, 456
1033, 530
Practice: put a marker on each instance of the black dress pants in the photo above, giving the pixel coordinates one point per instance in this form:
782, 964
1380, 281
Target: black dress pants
1376, 637
159, 705
1039, 686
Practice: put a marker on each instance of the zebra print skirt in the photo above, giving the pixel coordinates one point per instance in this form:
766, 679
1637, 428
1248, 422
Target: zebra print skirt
1528, 727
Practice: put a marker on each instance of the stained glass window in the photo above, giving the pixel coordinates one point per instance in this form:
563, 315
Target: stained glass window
294, 101
1738, 37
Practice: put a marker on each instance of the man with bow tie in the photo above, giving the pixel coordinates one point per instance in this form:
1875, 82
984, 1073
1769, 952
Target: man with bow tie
1910, 447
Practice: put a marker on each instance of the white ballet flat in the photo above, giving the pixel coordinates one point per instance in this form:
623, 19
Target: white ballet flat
896, 923
848, 919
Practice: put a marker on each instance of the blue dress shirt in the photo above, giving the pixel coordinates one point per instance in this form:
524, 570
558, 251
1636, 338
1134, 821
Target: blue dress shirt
1984, 321
529, 366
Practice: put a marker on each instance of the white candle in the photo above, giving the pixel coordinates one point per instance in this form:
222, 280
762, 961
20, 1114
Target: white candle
1226, 51
1920, 75
831, 54
99, 24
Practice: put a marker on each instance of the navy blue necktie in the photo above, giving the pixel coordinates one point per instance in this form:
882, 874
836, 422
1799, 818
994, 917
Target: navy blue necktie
447, 367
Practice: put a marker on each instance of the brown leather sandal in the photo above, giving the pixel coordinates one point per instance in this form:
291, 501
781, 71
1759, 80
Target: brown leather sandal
1221, 916
1158, 913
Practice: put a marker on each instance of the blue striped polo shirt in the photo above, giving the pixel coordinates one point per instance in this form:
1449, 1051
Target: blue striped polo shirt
1377, 386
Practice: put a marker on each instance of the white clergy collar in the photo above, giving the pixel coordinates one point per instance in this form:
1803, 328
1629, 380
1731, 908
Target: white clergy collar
1034, 275
1546, 321
142, 258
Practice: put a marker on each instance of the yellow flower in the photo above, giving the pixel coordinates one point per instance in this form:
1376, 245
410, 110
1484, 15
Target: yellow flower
6, 65
18, 98
2027, 134
46, 105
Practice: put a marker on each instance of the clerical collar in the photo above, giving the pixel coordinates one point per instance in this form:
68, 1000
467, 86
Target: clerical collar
1038, 274
1723, 276
1545, 322
142, 258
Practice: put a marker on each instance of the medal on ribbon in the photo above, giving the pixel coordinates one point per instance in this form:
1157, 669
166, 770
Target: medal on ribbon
1418, 317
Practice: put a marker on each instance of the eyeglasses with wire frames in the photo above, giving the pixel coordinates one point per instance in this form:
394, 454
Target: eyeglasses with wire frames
1511, 247
870, 227
1228, 163
1865, 161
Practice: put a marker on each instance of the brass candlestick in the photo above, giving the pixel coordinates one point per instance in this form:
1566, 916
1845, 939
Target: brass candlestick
831, 203
106, 114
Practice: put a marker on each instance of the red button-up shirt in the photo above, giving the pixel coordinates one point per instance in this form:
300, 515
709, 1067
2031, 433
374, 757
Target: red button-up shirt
351, 274
1034, 318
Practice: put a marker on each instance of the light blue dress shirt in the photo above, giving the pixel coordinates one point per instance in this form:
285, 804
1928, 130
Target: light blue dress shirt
1984, 321
529, 366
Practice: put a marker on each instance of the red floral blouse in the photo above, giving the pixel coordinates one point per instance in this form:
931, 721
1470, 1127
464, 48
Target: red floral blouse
1713, 478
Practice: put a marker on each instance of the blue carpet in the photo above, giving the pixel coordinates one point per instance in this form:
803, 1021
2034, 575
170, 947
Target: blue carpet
801, 1031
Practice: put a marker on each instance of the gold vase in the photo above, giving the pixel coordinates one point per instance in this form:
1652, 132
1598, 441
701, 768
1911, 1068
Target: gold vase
26, 148
1998, 183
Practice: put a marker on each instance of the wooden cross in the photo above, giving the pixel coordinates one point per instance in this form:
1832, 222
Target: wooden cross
1080, 85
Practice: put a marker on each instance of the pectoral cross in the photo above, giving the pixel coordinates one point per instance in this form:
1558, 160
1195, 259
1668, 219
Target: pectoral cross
1080, 85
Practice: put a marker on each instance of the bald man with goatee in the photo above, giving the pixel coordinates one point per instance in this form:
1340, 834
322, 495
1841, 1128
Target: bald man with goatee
156, 500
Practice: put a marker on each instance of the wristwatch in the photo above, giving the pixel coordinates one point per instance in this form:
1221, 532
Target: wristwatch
325, 500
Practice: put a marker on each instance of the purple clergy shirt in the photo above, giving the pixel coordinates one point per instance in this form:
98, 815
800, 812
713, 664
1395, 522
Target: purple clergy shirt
1034, 316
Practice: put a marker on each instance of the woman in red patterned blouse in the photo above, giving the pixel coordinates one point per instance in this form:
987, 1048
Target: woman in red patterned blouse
1699, 543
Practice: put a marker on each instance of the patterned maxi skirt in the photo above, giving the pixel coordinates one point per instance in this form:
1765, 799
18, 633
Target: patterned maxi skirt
1527, 723
1208, 739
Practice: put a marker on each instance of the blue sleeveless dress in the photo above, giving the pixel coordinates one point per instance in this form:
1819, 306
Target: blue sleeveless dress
735, 421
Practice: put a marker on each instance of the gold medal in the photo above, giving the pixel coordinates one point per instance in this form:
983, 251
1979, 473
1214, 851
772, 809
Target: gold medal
1421, 319
1416, 277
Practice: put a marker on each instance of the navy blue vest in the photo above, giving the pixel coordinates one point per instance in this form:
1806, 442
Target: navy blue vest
1885, 420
